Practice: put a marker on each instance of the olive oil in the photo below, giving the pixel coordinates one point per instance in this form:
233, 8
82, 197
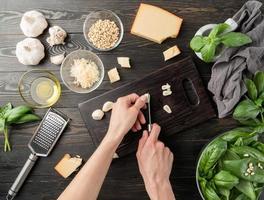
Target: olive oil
44, 91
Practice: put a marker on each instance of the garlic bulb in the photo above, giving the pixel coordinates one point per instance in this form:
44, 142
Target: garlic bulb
33, 23
58, 59
29, 51
57, 35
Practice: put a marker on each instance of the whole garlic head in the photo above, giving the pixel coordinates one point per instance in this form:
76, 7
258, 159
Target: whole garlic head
57, 35
33, 23
29, 51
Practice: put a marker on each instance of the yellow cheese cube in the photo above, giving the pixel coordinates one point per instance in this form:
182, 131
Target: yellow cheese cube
113, 75
171, 52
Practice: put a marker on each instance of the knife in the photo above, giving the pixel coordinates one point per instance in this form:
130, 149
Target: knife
149, 112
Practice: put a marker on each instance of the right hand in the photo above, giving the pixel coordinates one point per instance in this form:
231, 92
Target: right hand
155, 164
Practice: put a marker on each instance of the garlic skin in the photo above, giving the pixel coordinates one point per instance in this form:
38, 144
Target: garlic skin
33, 23
58, 59
30, 51
98, 114
57, 36
107, 106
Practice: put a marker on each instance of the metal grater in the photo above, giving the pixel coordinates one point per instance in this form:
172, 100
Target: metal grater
41, 144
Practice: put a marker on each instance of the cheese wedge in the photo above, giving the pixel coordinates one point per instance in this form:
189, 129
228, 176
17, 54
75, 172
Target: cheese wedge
67, 165
171, 52
113, 75
124, 62
155, 24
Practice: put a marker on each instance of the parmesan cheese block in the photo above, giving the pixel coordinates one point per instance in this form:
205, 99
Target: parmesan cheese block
68, 165
124, 62
155, 24
113, 75
171, 52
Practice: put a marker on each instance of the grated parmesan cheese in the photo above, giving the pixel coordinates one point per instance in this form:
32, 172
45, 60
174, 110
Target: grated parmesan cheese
85, 73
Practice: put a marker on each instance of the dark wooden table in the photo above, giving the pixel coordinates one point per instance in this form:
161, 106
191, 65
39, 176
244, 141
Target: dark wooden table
123, 180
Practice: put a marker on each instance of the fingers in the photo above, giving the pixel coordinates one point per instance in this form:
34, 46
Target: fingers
141, 118
154, 134
140, 102
132, 97
142, 141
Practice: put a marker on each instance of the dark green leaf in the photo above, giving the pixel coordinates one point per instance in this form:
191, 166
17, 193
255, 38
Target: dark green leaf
210, 193
208, 52
211, 155
246, 188
27, 118
259, 81
246, 109
259, 146
218, 29
239, 168
234, 39
17, 113
254, 153
234, 134
197, 43
251, 89
242, 197
225, 179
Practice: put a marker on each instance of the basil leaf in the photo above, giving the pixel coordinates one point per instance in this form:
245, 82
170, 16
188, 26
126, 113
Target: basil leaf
5, 109
224, 192
234, 134
259, 146
218, 29
16, 113
242, 197
251, 89
27, 118
2, 124
211, 155
259, 82
234, 39
197, 43
208, 52
239, 168
254, 153
225, 179
246, 188
208, 190
246, 109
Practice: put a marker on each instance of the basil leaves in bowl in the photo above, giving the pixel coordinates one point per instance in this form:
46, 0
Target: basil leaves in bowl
231, 166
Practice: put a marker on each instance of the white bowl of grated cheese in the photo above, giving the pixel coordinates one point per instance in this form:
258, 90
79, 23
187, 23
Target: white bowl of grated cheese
82, 71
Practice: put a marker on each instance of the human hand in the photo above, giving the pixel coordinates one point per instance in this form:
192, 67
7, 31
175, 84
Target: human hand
155, 164
126, 115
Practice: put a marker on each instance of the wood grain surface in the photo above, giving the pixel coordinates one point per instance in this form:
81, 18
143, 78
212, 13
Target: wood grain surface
185, 85
123, 181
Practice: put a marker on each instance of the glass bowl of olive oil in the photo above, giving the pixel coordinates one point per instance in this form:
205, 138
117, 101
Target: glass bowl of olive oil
39, 88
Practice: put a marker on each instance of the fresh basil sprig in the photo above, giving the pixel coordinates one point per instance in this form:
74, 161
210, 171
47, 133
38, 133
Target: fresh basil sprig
10, 116
207, 45
250, 111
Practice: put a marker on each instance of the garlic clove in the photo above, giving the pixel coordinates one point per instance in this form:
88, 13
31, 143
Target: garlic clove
33, 23
167, 109
58, 59
167, 92
98, 114
107, 106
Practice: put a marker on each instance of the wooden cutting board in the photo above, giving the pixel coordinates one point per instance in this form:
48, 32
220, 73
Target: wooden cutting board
186, 87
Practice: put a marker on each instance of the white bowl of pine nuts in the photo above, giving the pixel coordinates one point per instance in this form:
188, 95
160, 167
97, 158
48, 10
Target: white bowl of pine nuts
103, 30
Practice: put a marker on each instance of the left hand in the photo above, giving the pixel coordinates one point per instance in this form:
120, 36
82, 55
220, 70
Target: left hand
126, 115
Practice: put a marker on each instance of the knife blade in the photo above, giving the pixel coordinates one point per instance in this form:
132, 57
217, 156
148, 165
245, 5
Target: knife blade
149, 112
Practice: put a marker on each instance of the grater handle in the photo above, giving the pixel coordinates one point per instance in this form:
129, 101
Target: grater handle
21, 176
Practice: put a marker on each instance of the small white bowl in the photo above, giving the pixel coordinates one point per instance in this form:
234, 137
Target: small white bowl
65, 70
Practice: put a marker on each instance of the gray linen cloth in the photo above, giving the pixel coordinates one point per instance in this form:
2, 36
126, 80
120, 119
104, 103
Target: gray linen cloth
226, 81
